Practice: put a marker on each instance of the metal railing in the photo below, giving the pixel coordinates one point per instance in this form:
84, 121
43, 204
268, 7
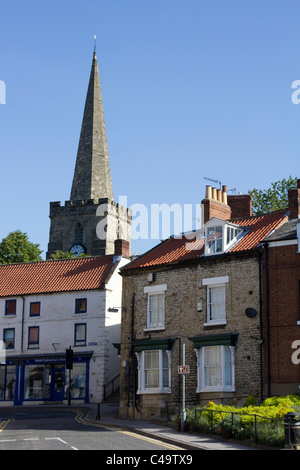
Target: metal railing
254, 415
111, 385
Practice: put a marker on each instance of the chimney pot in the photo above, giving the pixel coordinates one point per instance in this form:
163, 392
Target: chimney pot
208, 193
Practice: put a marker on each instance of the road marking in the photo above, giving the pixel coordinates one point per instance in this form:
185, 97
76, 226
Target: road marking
79, 418
8, 440
3, 424
61, 440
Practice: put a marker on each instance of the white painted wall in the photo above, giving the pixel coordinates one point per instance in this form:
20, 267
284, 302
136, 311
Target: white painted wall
57, 324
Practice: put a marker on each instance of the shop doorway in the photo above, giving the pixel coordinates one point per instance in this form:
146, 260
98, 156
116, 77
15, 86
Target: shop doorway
57, 383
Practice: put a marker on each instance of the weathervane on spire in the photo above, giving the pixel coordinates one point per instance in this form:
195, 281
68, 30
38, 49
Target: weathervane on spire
95, 43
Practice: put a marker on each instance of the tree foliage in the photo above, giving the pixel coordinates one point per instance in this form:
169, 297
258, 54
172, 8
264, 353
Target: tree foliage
273, 198
17, 248
59, 254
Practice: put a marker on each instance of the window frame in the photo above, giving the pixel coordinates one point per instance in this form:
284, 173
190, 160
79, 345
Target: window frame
141, 357
13, 301
5, 330
202, 387
30, 309
77, 342
77, 311
33, 344
151, 291
226, 242
211, 283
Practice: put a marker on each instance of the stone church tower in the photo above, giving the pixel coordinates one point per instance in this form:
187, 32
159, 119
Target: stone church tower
90, 222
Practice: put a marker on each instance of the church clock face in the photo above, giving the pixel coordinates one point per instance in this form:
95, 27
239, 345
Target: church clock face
77, 249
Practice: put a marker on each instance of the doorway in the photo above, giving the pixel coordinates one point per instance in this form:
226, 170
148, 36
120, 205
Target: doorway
57, 383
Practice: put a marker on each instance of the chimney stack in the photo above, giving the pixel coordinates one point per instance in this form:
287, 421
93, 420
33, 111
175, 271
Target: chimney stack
215, 204
218, 203
294, 201
122, 248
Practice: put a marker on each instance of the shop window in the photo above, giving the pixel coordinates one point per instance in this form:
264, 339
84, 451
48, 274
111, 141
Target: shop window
34, 382
7, 382
78, 381
35, 309
10, 307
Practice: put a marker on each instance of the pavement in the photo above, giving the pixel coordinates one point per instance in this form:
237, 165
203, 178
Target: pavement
162, 430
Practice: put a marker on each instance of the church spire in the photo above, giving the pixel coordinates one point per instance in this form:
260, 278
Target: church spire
92, 176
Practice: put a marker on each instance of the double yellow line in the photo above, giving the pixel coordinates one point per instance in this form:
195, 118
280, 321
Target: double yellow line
80, 419
4, 423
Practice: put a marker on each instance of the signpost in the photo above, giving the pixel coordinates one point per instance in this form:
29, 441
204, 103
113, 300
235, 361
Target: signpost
183, 370
69, 366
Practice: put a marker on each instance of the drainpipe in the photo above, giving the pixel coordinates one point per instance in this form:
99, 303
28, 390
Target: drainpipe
268, 315
261, 326
22, 326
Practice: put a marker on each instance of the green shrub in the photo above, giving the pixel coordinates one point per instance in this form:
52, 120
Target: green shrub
239, 423
250, 401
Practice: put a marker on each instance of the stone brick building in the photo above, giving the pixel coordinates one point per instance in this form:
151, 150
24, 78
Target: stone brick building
282, 303
205, 293
91, 220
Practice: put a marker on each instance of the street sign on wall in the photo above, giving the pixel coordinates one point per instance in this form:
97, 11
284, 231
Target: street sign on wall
183, 369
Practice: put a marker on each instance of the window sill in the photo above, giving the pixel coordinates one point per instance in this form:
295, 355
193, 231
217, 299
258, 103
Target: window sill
215, 389
155, 328
215, 323
154, 391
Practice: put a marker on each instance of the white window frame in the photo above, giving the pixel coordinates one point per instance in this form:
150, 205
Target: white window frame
225, 228
141, 372
215, 282
155, 291
223, 387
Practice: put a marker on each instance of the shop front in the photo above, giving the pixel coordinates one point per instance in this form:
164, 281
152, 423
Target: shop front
44, 379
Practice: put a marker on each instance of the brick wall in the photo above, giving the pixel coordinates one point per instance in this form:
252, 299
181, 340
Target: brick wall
282, 376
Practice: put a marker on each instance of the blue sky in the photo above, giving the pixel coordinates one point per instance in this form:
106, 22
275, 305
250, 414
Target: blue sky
191, 89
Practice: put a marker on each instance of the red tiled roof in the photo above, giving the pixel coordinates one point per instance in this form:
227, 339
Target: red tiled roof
178, 250
54, 276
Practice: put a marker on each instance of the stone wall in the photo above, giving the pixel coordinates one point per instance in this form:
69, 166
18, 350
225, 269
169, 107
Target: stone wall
103, 222
183, 320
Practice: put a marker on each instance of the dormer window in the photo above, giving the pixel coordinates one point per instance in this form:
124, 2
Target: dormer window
220, 236
214, 239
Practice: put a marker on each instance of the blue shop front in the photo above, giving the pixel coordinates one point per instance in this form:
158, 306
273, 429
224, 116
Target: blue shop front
44, 378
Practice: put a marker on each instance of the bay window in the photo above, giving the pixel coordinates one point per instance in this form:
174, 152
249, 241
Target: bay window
215, 368
154, 371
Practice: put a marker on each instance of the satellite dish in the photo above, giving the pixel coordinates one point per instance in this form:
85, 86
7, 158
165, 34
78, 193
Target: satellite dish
250, 312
